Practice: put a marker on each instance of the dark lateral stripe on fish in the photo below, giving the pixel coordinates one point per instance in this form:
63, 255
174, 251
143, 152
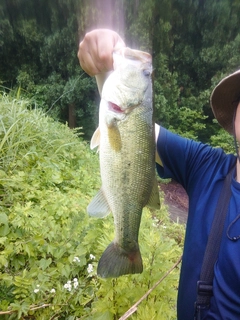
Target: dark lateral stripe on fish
116, 262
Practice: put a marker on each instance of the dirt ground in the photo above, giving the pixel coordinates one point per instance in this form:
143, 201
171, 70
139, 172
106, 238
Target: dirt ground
176, 199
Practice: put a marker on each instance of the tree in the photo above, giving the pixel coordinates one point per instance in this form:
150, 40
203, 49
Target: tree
193, 43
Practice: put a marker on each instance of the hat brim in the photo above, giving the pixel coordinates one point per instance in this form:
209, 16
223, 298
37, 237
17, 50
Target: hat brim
224, 100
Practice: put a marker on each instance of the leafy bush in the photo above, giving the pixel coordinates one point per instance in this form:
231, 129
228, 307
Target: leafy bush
223, 140
49, 247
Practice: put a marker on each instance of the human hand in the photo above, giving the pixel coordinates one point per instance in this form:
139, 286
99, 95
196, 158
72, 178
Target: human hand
95, 51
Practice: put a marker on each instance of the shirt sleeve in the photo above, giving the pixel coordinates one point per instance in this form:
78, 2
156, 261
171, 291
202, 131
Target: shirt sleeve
186, 160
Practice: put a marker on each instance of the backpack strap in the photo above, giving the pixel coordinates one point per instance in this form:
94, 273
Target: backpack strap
204, 285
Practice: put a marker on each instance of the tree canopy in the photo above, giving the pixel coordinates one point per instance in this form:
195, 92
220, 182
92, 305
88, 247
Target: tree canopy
193, 43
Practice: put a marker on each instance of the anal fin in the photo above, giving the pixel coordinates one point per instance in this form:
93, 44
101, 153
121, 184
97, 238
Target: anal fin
98, 207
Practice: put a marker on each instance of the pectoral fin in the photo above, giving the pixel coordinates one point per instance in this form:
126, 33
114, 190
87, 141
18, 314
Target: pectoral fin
98, 207
95, 141
114, 137
154, 201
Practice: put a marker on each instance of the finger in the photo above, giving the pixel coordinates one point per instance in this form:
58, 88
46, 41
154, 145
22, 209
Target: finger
106, 50
87, 62
87, 55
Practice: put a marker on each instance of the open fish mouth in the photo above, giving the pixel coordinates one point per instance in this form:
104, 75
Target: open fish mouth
114, 107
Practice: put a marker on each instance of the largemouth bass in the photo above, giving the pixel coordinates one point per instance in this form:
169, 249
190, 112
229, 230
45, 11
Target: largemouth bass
127, 159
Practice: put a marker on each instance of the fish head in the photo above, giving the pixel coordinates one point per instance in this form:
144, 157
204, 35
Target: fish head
129, 85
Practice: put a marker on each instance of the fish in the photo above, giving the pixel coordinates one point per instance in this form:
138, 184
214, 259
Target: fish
125, 139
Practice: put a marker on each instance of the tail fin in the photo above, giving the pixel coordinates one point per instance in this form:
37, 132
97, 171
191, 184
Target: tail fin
116, 262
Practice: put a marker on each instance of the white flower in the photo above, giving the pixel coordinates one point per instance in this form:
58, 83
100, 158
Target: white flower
75, 283
92, 257
76, 259
36, 290
90, 268
68, 286
70, 283
52, 291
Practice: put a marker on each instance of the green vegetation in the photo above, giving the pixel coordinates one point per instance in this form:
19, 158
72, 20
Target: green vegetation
49, 247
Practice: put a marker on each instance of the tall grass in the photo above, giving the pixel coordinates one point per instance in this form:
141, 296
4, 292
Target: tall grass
24, 132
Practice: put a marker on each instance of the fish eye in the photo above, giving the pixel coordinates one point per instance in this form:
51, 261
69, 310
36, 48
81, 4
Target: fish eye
146, 72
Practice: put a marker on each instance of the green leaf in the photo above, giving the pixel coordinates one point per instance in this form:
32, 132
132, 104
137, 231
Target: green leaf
3, 261
45, 263
4, 230
3, 219
4, 305
21, 308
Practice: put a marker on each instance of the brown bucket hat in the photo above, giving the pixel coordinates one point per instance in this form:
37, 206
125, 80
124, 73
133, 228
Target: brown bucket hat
224, 99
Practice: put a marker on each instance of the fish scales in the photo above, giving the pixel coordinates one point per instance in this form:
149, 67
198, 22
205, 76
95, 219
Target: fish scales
130, 170
127, 159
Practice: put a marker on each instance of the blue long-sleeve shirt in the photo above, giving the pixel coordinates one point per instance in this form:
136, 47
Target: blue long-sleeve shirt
201, 170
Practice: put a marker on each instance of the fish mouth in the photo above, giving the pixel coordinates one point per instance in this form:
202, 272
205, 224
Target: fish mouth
119, 110
114, 107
